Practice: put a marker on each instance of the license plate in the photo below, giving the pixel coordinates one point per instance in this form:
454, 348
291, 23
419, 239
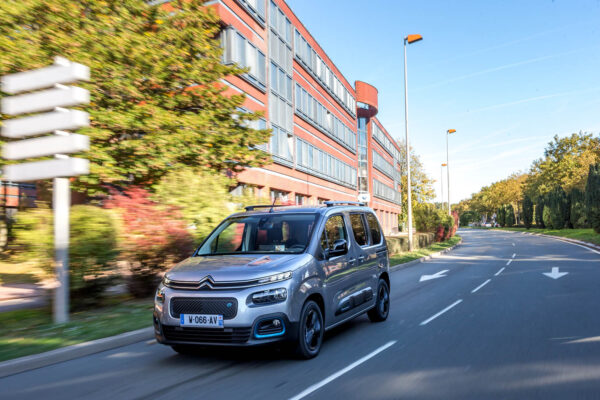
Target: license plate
202, 320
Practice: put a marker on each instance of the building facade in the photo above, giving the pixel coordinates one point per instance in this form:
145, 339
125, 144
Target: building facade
327, 143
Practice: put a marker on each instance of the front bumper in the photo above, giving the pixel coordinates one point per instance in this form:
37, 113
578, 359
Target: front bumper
240, 326
228, 336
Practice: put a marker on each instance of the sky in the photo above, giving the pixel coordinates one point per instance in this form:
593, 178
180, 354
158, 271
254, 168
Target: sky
507, 75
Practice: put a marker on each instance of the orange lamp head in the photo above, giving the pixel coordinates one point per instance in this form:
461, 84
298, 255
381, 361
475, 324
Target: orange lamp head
413, 38
444, 165
451, 130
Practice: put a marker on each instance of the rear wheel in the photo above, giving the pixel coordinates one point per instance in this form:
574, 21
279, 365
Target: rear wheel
310, 331
382, 304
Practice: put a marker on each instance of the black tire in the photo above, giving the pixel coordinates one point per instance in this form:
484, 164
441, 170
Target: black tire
310, 331
381, 310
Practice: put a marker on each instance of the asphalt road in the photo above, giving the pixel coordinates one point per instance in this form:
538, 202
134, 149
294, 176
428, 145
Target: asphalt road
493, 327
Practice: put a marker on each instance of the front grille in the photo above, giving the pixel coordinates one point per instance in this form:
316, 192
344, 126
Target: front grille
206, 335
204, 305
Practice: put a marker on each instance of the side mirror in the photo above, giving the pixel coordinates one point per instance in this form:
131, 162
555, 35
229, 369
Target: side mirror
340, 247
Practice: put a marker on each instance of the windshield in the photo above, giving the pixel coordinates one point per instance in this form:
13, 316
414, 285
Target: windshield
283, 233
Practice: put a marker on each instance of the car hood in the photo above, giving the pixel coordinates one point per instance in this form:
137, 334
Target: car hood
234, 267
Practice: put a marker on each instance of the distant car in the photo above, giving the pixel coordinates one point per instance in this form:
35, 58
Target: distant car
488, 225
277, 273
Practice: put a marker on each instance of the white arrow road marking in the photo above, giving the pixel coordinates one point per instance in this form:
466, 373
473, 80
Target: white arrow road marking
439, 274
555, 274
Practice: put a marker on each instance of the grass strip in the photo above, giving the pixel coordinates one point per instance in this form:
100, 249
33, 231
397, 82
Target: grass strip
426, 251
26, 332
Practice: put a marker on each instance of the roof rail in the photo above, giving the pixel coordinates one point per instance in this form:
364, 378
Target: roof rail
344, 203
271, 206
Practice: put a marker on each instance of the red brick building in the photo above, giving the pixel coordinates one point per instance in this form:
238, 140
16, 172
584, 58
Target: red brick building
327, 143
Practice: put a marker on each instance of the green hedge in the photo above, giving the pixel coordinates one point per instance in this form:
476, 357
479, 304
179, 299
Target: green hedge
399, 244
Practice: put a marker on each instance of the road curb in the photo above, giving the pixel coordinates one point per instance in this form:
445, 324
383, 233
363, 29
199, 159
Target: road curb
40, 360
397, 267
589, 245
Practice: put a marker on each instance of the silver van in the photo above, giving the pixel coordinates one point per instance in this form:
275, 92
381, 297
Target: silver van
276, 273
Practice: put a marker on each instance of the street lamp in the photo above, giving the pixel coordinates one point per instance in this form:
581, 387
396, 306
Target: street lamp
408, 40
442, 182
448, 133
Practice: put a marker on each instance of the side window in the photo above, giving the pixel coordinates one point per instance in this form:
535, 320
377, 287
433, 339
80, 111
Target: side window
334, 230
358, 227
230, 240
374, 227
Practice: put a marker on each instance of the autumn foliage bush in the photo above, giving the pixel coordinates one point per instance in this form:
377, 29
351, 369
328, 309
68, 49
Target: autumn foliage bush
153, 238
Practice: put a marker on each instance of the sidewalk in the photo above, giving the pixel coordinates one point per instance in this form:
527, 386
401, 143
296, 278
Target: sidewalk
17, 296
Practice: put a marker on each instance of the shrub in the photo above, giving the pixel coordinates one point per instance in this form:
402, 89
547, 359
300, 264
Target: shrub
469, 216
527, 211
592, 197
154, 238
92, 248
202, 198
427, 217
578, 215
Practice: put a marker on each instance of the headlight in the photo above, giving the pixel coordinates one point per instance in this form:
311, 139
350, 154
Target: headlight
269, 296
166, 281
276, 278
160, 295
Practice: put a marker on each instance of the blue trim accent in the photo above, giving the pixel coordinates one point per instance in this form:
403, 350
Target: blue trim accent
270, 335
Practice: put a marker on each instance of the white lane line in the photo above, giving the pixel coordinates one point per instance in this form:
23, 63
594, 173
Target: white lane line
514, 255
509, 261
480, 286
341, 372
499, 271
428, 320
513, 245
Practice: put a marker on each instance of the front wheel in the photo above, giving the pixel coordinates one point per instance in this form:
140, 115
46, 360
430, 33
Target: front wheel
381, 310
310, 331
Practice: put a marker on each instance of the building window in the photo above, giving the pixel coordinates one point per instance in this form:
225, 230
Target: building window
319, 163
383, 165
301, 199
239, 50
385, 192
279, 195
255, 8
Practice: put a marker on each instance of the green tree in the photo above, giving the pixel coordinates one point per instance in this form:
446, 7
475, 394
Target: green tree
592, 197
565, 163
558, 204
578, 214
527, 211
501, 216
510, 215
539, 213
547, 218
157, 101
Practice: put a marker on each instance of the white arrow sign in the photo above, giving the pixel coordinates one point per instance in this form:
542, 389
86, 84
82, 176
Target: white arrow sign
46, 146
555, 274
45, 100
44, 123
33, 171
439, 274
63, 71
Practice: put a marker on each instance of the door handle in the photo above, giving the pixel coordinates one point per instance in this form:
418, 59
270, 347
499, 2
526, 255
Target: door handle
352, 260
361, 258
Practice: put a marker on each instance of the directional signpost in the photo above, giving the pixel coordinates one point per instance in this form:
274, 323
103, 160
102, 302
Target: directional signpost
43, 90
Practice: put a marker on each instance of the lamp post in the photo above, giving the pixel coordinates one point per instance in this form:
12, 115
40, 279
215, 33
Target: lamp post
442, 183
448, 133
408, 40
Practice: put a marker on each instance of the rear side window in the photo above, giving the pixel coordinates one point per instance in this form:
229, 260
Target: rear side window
374, 227
334, 230
358, 227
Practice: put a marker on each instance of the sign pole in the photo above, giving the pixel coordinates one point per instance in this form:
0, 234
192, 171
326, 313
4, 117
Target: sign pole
61, 199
